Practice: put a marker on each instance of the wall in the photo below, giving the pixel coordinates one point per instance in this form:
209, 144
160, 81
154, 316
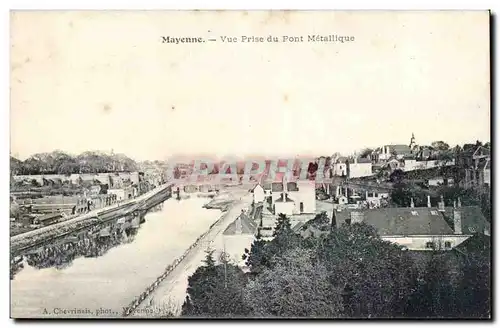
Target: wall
258, 194
120, 193
307, 195
339, 169
411, 165
418, 243
357, 170
487, 177
436, 182
284, 207
234, 246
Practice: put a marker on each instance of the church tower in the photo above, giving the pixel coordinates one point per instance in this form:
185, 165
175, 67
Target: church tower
413, 144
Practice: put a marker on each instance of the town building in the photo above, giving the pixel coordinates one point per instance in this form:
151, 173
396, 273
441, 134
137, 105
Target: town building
339, 166
421, 228
258, 193
239, 236
359, 167
123, 193
476, 167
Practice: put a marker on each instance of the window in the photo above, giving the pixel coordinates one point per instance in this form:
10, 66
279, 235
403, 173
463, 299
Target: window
447, 244
301, 207
429, 244
348, 221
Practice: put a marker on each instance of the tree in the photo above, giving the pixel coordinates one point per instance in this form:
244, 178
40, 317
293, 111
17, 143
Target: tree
283, 225
215, 291
366, 153
440, 145
378, 273
397, 176
297, 286
402, 194
256, 257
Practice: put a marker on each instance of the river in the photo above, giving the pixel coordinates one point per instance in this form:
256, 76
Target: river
101, 275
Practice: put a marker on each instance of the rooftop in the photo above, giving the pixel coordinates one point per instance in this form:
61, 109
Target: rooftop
473, 220
243, 224
402, 221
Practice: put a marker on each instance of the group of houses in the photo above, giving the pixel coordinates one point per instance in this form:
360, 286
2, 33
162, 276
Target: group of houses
434, 227
389, 157
95, 191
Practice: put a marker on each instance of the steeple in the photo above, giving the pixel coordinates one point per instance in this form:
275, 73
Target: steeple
413, 143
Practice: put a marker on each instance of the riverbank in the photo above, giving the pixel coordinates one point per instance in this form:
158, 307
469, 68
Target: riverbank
38, 237
168, 293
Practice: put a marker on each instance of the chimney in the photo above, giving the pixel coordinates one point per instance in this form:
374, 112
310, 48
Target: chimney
283, 196
454, 204
457, 222
356, 217
459, 202
441, 204
428, 201
367, 195
412, 204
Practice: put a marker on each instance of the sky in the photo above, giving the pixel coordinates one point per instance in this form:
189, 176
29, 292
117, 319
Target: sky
103, 80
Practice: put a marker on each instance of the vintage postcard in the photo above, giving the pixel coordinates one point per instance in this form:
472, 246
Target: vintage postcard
250, 164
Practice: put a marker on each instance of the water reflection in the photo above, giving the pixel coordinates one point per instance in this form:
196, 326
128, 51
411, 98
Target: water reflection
92, 242
108, 266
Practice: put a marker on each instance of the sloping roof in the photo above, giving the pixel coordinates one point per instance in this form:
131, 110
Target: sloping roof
401, 221
478, 243
473, 220
363, 160
298, 227
257, 185
242, 223
49, 216
400, 149
277, 187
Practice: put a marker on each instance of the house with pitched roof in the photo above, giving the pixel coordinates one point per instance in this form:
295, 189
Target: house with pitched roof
239, 235
258, 193
418, 229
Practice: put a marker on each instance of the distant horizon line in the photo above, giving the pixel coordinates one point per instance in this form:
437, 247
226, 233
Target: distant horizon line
207, 155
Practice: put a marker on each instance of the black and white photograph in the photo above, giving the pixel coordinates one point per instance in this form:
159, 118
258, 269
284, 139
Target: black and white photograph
245, 164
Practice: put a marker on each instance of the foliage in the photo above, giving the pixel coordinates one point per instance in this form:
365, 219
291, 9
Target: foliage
378, 272
215, 291
295, 287
365, 152
58, 162
348, 271
440, 145
402, 194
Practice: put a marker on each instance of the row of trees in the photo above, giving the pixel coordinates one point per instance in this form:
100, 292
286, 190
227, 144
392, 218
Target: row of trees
58, 162
346, 272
